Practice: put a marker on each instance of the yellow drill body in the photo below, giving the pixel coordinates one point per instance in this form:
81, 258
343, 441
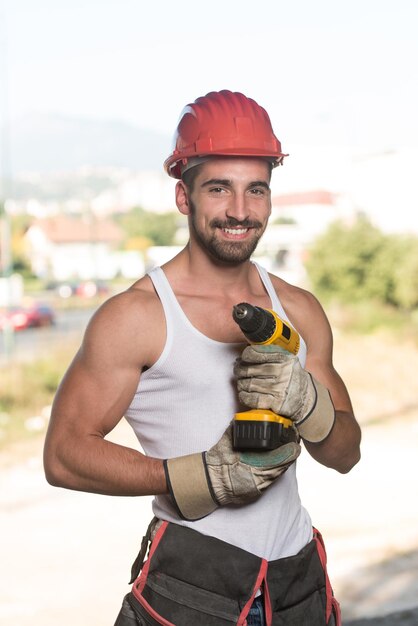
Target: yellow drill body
284, 335
262, 428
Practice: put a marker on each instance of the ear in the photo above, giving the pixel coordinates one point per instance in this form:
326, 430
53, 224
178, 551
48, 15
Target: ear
182, 198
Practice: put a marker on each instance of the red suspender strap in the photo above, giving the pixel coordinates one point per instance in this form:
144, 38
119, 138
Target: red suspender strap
267, 605
331, 601
158, 618
140, 583
260, 578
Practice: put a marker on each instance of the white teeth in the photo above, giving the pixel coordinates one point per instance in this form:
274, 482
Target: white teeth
235, 231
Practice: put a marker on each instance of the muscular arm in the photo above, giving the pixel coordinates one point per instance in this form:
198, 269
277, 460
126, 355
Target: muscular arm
92, 398
341, 449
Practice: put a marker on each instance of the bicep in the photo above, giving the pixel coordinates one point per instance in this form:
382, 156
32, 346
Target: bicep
319, 361
93, 396
102, 379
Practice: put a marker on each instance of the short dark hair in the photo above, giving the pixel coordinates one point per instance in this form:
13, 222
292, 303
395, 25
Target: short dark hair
189, 176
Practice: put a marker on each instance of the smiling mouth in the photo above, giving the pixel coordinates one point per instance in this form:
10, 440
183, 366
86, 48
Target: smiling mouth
235, 231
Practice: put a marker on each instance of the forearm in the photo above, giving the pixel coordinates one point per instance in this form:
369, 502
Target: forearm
96, 465
341, 449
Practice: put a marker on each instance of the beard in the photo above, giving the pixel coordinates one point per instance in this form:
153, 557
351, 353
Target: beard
227, 252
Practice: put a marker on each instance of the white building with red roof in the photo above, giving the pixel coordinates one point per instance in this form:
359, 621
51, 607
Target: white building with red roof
64, 247
297, 219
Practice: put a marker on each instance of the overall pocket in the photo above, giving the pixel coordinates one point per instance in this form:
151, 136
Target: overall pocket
187, 605
308, 612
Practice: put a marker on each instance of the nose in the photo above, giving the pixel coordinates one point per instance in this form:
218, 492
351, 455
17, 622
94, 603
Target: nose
238, 208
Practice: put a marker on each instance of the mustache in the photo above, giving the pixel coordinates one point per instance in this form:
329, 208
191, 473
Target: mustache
232, 222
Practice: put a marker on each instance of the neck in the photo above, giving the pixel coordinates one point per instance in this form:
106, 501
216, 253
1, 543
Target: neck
205, 272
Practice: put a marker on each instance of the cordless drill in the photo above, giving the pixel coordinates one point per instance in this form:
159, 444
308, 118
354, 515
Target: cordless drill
261, 428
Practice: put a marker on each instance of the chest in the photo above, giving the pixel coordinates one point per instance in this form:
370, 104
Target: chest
213, 317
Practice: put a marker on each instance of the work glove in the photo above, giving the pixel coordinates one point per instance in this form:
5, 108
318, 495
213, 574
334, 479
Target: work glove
201, 482
269, 377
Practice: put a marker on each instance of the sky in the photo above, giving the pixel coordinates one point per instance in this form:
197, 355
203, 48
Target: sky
326, 71
338, 79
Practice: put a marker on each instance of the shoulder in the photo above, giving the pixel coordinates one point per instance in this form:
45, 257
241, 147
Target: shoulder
127, 324
295, 300
305, 313
139, 300
133, 305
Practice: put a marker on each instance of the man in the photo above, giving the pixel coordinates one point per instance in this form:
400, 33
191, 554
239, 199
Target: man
230, 540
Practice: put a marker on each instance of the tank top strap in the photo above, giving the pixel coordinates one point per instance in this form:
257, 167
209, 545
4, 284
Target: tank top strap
278, 307
179, 326
172, 309
275, 301
163, 287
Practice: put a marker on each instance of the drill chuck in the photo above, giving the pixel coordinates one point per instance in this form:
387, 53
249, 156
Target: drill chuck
258, 325
263, 326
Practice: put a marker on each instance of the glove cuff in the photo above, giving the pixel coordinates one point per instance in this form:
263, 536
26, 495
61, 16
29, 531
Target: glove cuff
318, 423
189, 486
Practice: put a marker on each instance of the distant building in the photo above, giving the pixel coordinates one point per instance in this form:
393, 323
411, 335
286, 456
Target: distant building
312, 211
63, 247
297, 219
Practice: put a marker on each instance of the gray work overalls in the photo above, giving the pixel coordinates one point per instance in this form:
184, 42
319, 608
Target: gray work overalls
190, 579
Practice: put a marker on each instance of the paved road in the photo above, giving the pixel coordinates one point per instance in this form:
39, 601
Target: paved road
34, 342
66, 556
408, 617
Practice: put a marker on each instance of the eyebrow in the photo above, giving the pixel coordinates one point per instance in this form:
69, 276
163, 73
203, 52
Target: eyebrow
260, 183
217, 181
225, 182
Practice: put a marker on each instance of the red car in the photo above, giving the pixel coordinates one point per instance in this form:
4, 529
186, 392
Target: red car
19, 318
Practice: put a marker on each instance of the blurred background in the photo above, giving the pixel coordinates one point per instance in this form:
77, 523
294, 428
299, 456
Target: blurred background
90, 94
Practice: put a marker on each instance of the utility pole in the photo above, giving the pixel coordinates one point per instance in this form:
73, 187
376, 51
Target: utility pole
5, 176
5, 241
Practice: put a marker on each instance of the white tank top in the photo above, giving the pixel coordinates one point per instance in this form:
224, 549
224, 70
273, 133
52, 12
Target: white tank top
184, 403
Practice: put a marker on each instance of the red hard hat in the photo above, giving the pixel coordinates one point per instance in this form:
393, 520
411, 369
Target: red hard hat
223, 123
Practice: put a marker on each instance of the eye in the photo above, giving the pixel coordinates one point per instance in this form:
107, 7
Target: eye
257, 191
216, 189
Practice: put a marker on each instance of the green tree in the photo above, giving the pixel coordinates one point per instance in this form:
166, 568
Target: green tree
159, 228
20, 261
358, 262
406, 275
340, 260
381, 277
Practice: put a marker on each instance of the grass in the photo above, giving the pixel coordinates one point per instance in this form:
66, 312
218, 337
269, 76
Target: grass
367, 318
26, 394
27, 389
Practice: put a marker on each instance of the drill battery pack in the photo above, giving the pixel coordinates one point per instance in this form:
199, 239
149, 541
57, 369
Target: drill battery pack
261, 429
